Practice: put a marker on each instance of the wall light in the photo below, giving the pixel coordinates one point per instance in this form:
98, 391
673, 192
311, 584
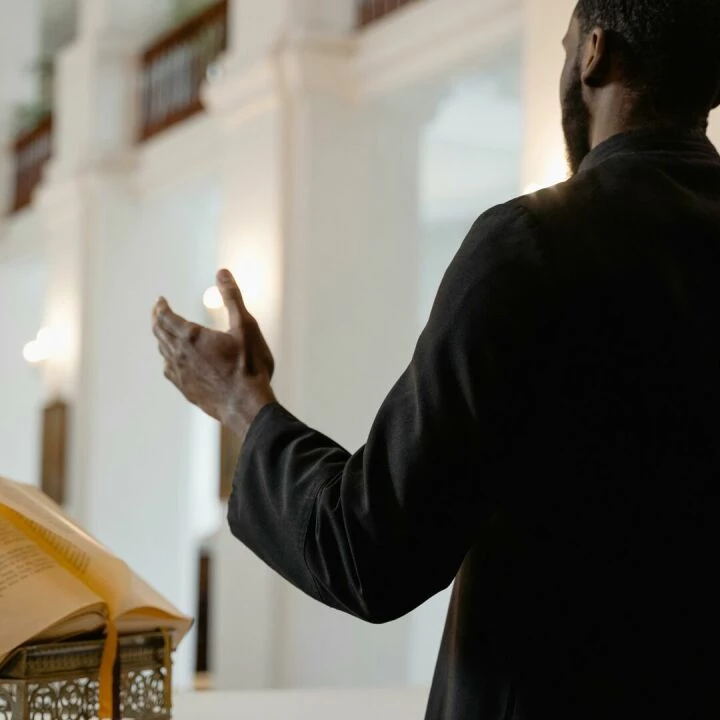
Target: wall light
212, 299
42, 348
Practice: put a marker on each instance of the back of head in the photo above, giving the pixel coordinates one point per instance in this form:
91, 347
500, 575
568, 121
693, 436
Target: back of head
668, 50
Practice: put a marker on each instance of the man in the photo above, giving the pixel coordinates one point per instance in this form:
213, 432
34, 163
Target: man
554, 443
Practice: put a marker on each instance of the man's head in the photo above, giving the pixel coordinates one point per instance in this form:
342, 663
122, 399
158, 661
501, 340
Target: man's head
634, 64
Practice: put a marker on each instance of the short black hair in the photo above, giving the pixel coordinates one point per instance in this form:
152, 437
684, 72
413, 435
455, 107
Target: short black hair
669, 52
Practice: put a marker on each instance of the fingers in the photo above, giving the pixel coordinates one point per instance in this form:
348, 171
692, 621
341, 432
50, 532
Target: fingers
170, 375
176, 337
166, 321
165, 346
232, 297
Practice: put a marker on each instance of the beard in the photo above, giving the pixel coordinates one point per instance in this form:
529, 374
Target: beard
575, 122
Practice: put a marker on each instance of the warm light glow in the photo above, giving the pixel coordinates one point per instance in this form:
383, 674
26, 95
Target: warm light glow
556, 172
32, 353
255, 263
45, 337
42, 348
212, 299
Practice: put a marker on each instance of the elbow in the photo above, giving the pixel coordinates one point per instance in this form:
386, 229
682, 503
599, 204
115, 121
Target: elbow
384, 608
383, 617
377, 597
373, 608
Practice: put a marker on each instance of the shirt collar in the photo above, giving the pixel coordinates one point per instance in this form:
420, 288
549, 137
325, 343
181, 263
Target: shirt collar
652, 141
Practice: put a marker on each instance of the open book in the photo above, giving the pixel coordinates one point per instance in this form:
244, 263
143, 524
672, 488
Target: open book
57, 582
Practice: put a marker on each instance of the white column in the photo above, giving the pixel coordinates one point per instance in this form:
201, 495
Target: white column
91, 169
246, 100
545, 26
131, 434
350, 309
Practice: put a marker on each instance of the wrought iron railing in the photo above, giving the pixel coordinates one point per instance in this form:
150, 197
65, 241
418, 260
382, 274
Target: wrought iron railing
32, 150
371, 11
175, 66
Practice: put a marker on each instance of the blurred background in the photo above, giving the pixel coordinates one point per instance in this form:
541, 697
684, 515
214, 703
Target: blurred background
333, 154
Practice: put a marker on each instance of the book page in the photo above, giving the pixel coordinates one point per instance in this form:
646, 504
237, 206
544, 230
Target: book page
144, 610
130, 600
37, 516
38, 597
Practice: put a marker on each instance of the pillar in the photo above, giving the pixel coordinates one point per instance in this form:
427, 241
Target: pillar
246, 100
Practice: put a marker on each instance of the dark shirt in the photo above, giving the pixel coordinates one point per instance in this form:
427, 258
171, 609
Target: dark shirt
553, 445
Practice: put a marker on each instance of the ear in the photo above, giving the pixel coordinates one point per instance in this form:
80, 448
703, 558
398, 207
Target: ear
595, 61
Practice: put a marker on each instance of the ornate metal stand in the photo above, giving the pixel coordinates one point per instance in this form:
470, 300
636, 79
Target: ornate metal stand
60, 681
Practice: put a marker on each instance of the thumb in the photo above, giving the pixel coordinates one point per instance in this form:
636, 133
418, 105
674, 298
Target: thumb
232, 298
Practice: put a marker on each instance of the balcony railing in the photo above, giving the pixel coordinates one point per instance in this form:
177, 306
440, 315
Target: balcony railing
371, 11
176, 65
32, 150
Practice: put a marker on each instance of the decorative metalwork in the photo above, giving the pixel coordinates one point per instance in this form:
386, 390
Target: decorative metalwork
8, 698
143, 693
175, 67
63, 700
60, 681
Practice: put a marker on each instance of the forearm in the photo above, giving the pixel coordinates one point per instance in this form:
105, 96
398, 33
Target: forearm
368, 534
283, 467
240, 413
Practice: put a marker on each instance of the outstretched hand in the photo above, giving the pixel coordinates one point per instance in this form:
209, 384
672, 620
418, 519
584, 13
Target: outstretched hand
226, 374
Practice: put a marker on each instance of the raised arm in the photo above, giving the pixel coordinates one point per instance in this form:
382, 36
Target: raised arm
379, 532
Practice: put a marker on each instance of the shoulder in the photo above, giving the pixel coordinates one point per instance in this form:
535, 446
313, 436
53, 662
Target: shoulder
504, 228
502, 240
500, 263
578, 204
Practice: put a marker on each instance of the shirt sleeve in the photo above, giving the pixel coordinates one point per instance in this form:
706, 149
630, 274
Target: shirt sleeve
379, 532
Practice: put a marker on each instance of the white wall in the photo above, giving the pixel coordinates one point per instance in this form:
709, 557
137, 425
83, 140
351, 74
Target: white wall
246, 635
22, 289
146, 497
471, 161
